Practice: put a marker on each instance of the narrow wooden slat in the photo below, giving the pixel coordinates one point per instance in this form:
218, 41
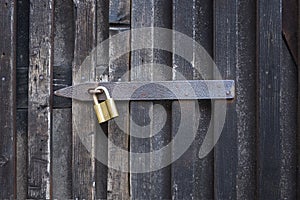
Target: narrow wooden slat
270, 137
118, 181
193, 18
102, 15
288, 126
204, 172
83, 121
62, 118
22, 153
146, 115
62, 154
235, 57
22, 53
245, 104
7, 99
40, 98
225, 58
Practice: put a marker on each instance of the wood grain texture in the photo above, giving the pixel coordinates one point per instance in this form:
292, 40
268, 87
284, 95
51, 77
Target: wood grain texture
102, 75
40, 98
147, 116
270, 132
62, 118
22, 53
235, 56
8, 99
118, 181
193, 18
22, 153
83, 121
62, 154
64, 50
288, 126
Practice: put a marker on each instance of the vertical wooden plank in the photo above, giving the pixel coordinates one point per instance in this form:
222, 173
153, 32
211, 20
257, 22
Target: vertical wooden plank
62, 120
22, 53
225, 57
246, 90
22, 94
273, 152
146, 115
83, 121
117, 181
102, 75
7, 99
235, 57
40, 98
22, 153
62, 154
193, 18
204, 172
288, 125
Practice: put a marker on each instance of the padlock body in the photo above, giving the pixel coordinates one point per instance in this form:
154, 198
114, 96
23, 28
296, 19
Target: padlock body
102, 112
112, 108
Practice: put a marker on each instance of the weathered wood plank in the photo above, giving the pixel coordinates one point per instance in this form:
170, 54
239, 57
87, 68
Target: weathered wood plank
62, 118
22, 153
83, 121
102, 75
193, 18
7, 99
288, 126
64, 50
147, 116
40, 98
62, 154
22, 53
118, 181
235, 56
270, 137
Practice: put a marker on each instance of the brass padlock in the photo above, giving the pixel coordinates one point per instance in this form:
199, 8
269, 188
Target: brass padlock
107, 109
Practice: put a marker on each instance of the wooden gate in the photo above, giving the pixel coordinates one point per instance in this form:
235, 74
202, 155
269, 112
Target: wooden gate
42, 46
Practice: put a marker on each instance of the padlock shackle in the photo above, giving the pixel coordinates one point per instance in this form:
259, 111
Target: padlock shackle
105, 91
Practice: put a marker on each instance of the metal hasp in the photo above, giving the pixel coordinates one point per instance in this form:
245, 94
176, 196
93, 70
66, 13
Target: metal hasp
158, 90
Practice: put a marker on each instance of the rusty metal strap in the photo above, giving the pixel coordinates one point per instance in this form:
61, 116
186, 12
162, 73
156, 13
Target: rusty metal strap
158, 90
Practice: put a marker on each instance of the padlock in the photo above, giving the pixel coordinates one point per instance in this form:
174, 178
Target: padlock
107, 109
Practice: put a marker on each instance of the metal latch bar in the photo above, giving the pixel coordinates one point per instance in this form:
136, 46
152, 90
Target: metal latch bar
154, 90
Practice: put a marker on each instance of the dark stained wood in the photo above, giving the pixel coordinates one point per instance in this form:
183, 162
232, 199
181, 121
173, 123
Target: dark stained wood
40, 98
62, 154
271, 148
21, 150
204, 168
118, 181
22, 52
146, 115
7, 99
102, 15
290, 26
288, 126
83, 121
188, 16
64, 50
62, 118
235, 56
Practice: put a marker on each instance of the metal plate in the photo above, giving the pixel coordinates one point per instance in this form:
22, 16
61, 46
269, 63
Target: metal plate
158, 90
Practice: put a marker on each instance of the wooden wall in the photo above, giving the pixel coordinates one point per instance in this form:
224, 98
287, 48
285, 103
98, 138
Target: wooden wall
42, 46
